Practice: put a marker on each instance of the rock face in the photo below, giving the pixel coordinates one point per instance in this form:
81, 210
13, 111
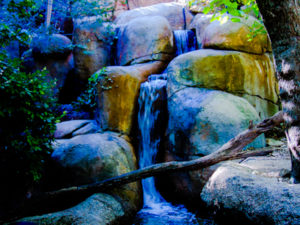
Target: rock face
247, 75
118, 94
54, 53
173, 12
92, 50
98, 209
201, 121
255, 190
145, 39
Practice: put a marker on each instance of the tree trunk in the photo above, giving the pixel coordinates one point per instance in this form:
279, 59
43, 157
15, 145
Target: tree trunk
49, 12
282, 20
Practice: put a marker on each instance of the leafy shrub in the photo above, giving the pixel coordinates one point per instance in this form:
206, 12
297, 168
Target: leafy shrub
27, 121
87, 101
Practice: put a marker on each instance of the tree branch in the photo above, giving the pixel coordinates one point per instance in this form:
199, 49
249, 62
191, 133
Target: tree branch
229, 151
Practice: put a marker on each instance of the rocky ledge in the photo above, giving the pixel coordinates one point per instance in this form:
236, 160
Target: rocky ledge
256, 190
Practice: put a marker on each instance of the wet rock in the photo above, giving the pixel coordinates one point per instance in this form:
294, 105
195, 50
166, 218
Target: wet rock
118, 93
173, 12
247, 75
145, 39
254, 190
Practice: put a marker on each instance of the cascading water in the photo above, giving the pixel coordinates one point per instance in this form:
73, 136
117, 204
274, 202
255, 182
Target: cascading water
185, 41
152, 113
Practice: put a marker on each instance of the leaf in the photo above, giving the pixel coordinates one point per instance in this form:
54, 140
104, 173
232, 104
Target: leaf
206, 10
235, 20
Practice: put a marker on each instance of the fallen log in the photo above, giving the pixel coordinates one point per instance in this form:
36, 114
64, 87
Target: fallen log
233, 149
229, 151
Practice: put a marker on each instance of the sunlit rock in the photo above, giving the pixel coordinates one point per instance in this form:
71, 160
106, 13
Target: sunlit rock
240, 36
247, 75
118, 94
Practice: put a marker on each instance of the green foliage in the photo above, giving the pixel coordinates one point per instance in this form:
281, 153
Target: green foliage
26, 109
87, 100
221, 10
27, 121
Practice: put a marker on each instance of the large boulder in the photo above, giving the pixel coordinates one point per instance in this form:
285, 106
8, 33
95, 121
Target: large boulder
90, 158
178, 17
92, 41
98, 209
55, 45
118, 93
200, 122
145, 39
247, 75
254, 190
237, 36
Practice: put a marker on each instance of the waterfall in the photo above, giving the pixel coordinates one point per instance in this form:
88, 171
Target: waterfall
185, 41
149, 141
151, 117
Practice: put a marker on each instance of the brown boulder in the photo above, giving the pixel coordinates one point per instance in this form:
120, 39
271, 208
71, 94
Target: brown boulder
92, 50
118, 94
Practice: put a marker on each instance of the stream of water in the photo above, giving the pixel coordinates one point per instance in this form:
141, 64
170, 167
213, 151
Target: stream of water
156, 209
185, 41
